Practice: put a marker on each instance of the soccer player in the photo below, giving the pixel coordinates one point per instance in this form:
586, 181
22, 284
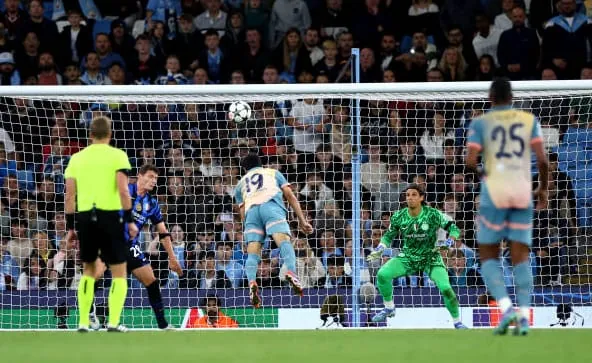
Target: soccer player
505, 138
259, 195
145, 208
418, 226
97, 191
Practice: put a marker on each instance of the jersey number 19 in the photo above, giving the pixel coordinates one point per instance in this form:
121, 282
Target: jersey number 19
255, 180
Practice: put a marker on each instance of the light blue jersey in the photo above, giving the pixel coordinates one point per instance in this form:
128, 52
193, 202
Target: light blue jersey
260, 192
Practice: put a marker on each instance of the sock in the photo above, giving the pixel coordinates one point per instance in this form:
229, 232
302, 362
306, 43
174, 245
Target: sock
456, 320
155, 299
493, 276
523, 283
251, 266
451, 303
86, 293
117, 296
385, 286
288, 255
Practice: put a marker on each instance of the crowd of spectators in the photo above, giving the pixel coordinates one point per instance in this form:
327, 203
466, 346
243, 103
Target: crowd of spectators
198, 150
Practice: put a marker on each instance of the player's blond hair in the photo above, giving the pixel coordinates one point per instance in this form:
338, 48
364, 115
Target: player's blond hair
100, 128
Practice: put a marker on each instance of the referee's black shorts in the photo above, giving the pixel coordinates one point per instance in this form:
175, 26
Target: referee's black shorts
102, 236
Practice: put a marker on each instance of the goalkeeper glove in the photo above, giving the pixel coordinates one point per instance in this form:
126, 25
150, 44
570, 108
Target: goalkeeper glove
376, 253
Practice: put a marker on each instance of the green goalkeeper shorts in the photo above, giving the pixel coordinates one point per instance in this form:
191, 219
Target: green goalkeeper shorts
416, 264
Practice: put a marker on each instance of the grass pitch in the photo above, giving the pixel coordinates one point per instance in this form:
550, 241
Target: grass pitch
278, 346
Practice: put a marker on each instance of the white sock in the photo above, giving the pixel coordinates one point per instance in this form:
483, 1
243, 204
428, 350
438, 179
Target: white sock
504, 304
456, 320
525, 312
389, 304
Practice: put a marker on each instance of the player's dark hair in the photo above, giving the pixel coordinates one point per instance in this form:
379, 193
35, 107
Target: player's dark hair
500, 91
417, 187
553, 158
100, 128
146, 168
251, 161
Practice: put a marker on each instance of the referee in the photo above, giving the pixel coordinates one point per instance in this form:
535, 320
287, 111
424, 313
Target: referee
97, 191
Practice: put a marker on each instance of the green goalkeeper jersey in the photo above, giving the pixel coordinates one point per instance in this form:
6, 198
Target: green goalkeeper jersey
419, 234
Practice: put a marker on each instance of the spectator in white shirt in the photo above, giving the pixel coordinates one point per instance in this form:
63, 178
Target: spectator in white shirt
432, 140
487, 38
374, 172
307, 121
208, 167
212, 18
504, 20
420, 7
311, 42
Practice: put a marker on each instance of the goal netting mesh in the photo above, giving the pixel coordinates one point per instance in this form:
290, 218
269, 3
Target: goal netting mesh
405, 137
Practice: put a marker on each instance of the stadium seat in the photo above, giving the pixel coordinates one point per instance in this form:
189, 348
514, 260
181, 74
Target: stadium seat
101, 26
48, 9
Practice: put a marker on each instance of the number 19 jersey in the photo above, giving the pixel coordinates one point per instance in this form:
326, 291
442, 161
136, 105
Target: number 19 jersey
259, 186
504, 136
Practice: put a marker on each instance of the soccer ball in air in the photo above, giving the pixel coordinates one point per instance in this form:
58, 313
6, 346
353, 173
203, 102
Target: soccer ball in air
239, 112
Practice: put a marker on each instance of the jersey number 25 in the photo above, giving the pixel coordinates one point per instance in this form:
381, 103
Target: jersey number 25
502, 132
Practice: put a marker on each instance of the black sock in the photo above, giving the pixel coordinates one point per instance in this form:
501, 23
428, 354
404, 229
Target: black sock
157, 305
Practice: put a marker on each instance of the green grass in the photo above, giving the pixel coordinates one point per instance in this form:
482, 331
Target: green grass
276, 346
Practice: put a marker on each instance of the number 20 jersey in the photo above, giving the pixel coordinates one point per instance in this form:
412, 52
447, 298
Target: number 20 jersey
505, 136
259, 186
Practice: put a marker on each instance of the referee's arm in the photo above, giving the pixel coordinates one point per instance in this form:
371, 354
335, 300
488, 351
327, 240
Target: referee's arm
126, 200
70, 207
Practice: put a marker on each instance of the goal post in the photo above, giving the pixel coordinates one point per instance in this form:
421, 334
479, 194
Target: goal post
404, 132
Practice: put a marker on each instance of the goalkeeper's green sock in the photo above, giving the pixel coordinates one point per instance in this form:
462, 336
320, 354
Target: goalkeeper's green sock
451, 303
86, 294
117, 296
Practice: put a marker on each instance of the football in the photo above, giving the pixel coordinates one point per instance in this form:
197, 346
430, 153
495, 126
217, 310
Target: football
239, 112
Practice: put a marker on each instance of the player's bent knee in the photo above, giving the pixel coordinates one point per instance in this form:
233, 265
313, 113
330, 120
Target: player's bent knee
280, 238
382, 275
254, 247
145, 275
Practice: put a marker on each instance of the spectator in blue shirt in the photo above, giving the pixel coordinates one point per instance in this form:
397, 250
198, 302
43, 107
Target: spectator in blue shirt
105, 53
224, 262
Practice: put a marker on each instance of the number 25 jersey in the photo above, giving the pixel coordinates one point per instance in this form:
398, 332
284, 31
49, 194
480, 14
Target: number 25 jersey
259, 186
505, 136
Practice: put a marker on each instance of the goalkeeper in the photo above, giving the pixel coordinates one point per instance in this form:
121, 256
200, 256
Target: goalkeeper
418, 226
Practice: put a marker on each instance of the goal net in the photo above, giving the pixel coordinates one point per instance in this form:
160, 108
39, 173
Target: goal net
408, 134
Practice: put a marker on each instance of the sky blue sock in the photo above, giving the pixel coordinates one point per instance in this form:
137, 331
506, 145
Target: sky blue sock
492, 274
287, 254
251, 266
523, 283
